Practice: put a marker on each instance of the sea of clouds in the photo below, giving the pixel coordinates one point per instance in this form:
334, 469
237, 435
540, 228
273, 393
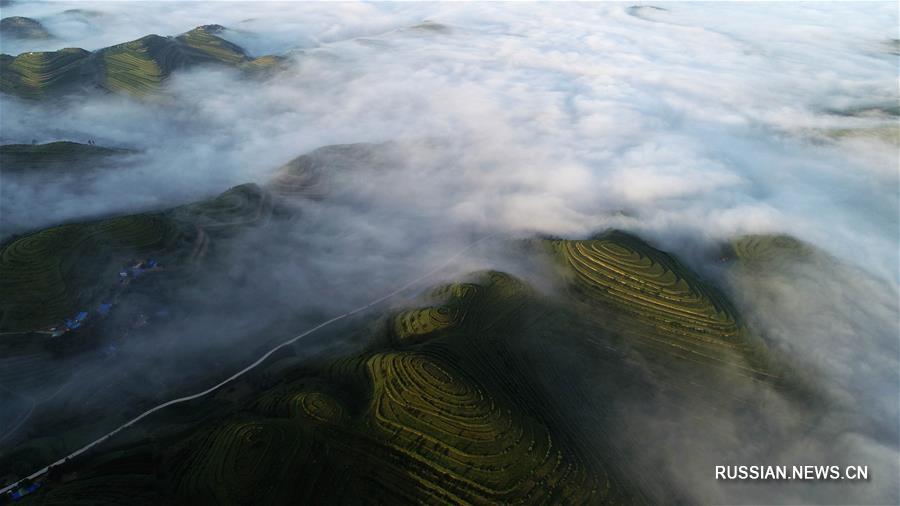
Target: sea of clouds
688, 123
707, 118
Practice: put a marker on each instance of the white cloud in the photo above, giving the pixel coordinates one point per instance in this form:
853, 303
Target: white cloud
698, 121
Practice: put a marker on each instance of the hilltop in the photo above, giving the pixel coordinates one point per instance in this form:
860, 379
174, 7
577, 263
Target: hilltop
136, 68
23, 28
455, 396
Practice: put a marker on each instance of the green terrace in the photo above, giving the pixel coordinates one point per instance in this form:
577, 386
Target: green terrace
136, 68
661, 304
50, 274
55, 155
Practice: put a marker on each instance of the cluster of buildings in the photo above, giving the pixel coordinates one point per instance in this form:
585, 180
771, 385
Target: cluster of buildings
126, 275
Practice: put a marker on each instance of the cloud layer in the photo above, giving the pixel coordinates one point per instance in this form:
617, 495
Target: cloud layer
688, 124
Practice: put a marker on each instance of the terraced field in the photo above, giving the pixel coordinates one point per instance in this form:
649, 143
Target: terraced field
301, 177
321, 172
23, 28
446, 405
468, 446
26, 371
137, 68
124, 477
432, 426
39, 74
768, 250
310, 404
422, 322
51, 274
243, 205
46, 276
55, 155
656, 301
446, 419
206, 44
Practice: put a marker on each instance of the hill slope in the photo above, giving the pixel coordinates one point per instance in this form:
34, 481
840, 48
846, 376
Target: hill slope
136, 68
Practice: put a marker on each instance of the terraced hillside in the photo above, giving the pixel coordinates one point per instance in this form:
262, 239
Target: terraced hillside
452, 312
320, 172
655, 301
23, 28
435, 422
137, 68
55, 155
301, 177
46, 276
243, 205
50, 274
456, 401
768, 250
204, 41
40, 74
450, 418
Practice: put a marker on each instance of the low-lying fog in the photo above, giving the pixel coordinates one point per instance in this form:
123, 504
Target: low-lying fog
688, 124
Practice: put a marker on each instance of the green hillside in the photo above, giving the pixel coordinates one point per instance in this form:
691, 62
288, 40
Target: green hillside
768, 251
40, 74
450, 419
136, 68
205, 44
480, 391
56, 155
655, 302
446, 404
23, 28
50, 274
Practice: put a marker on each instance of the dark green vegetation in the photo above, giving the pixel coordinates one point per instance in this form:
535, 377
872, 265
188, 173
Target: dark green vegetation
56, 156
50, 274
437, 421
768, 251
23, 28
57, 383
301, 177
38, 74
483, 391
451, 417
70, 266
447, 404
135, 68
660, 304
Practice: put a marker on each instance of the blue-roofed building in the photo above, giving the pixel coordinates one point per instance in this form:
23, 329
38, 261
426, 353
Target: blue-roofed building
23, 491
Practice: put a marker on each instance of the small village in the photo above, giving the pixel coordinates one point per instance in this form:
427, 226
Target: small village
129, 273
